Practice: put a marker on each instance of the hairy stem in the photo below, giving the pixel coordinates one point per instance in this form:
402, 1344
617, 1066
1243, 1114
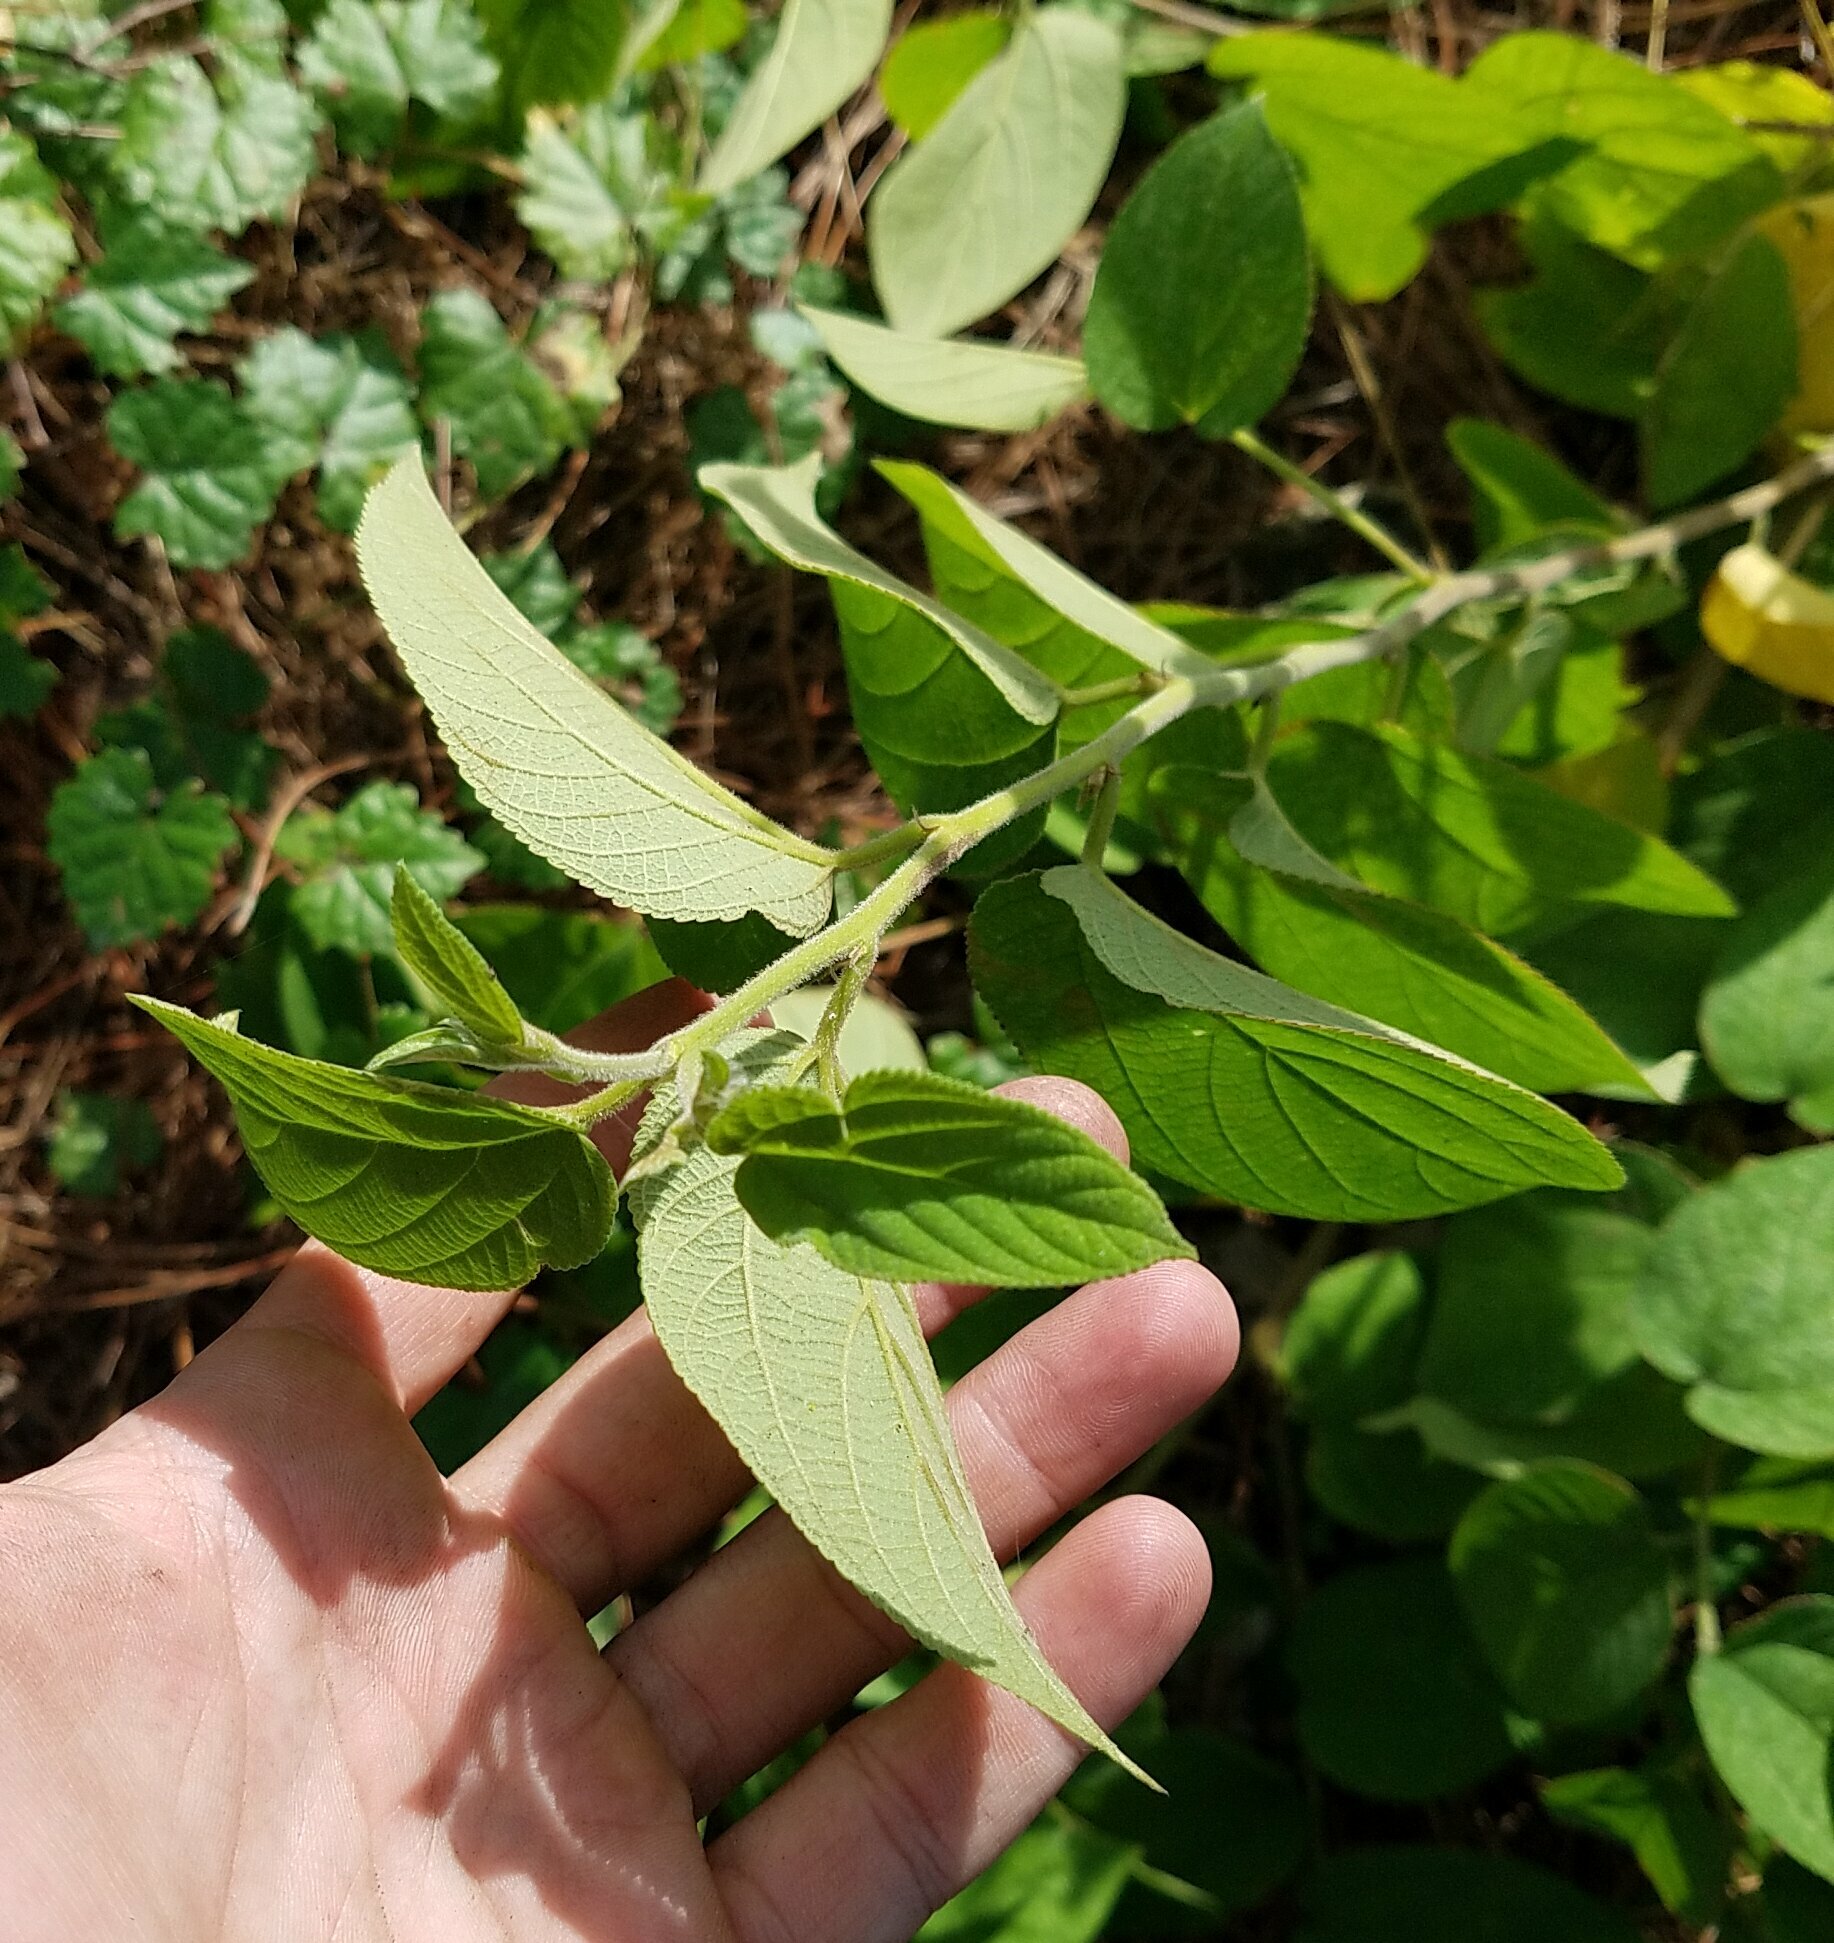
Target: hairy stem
939, 840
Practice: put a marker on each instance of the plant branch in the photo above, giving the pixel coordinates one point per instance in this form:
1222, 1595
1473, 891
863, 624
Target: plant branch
1335, 504
941, 839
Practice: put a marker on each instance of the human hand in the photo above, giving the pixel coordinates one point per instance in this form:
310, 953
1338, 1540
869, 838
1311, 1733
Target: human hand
264, 1674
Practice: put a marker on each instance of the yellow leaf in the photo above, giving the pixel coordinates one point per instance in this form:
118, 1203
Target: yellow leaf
1624, 780
1765, 100
1759, 615
1804, 232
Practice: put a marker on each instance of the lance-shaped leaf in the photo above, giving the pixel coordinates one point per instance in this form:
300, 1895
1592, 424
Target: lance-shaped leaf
553, 756
826, 1388
1242, 1086
1469, 835
923, 1178
423, 1182
950, 381
824, 49
1307, 923
946, 713
973, 212
450, 966
1052, 581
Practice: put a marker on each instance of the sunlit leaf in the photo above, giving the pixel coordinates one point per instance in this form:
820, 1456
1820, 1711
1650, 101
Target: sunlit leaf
506, 418
368, 60
36, 246
151, 284
208, 479
933, 61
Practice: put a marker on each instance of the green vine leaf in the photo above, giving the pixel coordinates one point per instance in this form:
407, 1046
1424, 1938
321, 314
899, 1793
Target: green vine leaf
350, 859
825, 1386
369, 60
560, 763
203, 157
433, 1185
505, 416
1245, 1088
950, 381
919, 1178
824, 49
151, 284
973, 212
36, 246
208, 470
450, 966
135, 859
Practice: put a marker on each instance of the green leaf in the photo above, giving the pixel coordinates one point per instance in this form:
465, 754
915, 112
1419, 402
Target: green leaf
1725, 377
368, 60
1410, 967
877, 1036
348, 860
561, 968
1567, 1588
1351, 1346
560, 763
719, 957
1587, 328
1244, 1088
971, 214
823, 50
1470, 836
986, 680
1386, 1483
950, 381
1229, 1829
583, 186
1737, 1304
1680, 1844
681, 32
556, 50
1058, 1883
36, 246
1797, 1907
98, 1137
26, 681
449, 965
1765, 1707
209, 480
932, 61
1169, 341
919, 1178
1775, 1494
506, 418
200, 156
1656, 174
135, 860
371, 426
213, 688
1767, 1015
1449, 1895
453, 1189
1395, 1700
151, 284
1053, 584
12, 463
1520, 491
817, 1375
1378, 140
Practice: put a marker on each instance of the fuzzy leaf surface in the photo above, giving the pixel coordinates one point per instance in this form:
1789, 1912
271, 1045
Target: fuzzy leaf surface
452, 1189
449, 965
973, 212
920, 1178
825, 1386
823, 50
560, 763
985, 386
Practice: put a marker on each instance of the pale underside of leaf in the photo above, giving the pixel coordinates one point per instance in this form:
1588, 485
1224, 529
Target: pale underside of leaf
558, 761
825, 1386
1052, 580
824, 49
778, 504
985, 386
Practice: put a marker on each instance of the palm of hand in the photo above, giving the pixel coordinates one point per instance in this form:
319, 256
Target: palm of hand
264, 1674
